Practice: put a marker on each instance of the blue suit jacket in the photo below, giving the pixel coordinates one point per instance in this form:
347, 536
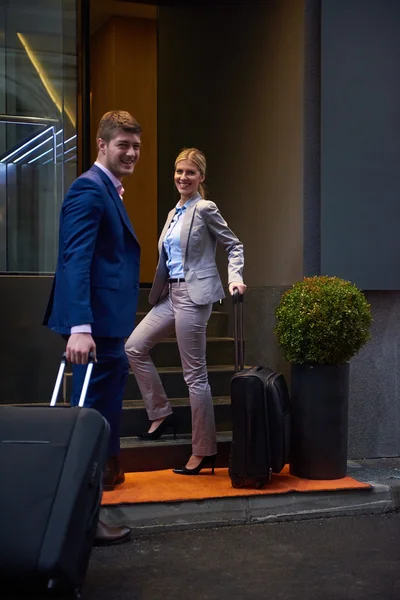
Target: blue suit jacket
97, 275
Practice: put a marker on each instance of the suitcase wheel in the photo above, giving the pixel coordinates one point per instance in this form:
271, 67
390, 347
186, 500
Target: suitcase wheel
260, 484
237, 482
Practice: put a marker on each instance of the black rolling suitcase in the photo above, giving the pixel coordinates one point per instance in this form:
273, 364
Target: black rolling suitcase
260, 417
51, 466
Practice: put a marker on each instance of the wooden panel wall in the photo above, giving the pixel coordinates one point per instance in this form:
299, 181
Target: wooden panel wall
124, 77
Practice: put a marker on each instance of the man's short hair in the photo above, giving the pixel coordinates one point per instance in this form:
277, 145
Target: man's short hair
115, 120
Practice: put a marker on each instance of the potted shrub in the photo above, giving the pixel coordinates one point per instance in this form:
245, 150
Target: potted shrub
321, 323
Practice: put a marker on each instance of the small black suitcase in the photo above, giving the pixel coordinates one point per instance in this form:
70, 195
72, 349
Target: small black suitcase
51, 466
260, 417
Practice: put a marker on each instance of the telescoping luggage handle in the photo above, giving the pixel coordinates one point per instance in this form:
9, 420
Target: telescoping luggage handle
238, 327
60, 375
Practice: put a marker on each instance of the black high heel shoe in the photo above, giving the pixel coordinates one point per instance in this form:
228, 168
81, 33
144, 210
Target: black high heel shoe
206, 461
168, 423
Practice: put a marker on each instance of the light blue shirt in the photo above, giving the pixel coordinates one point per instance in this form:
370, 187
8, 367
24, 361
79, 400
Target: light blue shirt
172, 244
172, 241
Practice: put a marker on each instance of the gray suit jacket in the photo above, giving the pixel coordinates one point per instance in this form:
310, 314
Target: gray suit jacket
202, 228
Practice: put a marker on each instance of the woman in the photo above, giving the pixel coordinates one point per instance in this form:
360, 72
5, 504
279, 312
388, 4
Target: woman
185, 286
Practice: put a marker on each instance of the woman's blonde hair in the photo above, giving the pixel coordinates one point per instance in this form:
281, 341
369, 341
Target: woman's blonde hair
199, 160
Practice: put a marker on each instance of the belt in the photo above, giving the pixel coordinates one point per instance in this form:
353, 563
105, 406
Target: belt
179, 280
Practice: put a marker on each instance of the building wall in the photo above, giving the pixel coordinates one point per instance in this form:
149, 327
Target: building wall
262, 113
234, 88
38, 78
247, 90
374, 412
350, 192
360, 142
235, 92
30, 353
124, 76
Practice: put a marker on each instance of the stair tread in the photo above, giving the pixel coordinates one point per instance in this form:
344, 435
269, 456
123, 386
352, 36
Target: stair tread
163, 370
172, 340
210, 369
220, 400
214, 312
128, 404
168, 440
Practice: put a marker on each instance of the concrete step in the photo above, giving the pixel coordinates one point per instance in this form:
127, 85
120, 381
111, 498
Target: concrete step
143, 299
166, 453
160, 517
134, 416
218, 324
220, 351
175, 387
172, 379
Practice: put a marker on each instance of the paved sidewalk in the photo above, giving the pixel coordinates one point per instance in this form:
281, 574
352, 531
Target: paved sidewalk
343, 558
383, 474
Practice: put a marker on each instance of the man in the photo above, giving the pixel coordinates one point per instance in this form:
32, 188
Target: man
95, 289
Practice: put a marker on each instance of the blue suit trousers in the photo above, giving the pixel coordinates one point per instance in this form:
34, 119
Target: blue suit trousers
107, 385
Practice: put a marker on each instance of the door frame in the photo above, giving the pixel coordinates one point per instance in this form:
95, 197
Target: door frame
83, 95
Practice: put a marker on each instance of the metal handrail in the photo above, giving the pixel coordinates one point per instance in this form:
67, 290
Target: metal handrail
28, 120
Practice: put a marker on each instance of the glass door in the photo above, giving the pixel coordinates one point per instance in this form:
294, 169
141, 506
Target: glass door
38, 129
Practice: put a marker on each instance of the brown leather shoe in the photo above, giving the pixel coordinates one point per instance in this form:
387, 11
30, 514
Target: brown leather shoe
106, 535
113, 474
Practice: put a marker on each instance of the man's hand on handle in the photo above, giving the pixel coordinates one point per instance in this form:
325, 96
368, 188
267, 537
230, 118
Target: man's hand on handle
235, 285
78, 348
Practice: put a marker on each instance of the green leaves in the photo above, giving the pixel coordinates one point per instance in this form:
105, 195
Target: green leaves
324, 320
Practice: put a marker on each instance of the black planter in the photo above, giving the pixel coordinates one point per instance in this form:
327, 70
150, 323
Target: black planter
319, 406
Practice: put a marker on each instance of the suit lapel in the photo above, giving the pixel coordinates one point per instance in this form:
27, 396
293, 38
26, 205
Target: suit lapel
187, 225
121, 207
165, 229
118, 202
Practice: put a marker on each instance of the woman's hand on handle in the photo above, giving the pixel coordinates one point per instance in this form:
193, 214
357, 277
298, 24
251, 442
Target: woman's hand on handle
236, 285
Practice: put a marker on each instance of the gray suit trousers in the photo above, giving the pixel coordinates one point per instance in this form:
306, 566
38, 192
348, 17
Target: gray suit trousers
190, 321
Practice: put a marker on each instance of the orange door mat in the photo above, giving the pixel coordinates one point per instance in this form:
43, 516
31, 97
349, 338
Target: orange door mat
166, 486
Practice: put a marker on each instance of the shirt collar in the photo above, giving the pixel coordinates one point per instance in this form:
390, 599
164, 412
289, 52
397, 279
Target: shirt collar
187, 203
116, 182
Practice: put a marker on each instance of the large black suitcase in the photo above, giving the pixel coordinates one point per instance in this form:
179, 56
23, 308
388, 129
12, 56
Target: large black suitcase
51, 466
260, 417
